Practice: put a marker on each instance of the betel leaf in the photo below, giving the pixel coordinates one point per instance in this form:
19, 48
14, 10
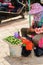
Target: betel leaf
13, 40
24, 45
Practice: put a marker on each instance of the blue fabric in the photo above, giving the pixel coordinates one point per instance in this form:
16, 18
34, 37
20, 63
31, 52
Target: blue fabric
41, 22
5, 5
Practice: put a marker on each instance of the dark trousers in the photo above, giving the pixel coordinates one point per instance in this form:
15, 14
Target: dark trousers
26, 31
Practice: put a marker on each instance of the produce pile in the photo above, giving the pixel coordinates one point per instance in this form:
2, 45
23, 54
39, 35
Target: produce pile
13, 40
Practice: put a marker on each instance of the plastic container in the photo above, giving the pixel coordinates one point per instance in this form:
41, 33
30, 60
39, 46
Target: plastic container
15, 50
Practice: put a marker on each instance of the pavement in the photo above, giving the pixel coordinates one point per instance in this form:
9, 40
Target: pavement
7, 29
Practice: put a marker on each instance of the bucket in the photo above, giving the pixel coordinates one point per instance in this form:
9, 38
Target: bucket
15, 50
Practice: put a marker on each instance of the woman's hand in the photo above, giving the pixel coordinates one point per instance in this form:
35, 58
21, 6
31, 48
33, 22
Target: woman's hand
39, 30
32, 29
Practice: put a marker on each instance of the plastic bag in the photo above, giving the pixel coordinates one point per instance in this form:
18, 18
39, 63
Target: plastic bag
25, 52
38, 51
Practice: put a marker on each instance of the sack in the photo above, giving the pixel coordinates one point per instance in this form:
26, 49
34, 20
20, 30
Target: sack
40, 44
38, 51
25, 52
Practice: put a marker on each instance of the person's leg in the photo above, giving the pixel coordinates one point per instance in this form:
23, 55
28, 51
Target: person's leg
25, 32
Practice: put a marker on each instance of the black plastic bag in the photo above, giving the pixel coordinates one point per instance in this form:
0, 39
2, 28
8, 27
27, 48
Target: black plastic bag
3, 9
38, 51
25, 52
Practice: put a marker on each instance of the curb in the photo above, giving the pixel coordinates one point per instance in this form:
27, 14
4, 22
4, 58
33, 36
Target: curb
10, 19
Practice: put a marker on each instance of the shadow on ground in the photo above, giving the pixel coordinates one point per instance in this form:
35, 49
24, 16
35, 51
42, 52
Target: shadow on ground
17, 60
24, 60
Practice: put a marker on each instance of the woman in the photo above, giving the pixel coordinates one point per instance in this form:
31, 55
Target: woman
37, 12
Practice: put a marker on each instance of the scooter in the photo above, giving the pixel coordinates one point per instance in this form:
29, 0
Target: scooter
6, 14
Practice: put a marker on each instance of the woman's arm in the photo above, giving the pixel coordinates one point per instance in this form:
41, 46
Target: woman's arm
39, 30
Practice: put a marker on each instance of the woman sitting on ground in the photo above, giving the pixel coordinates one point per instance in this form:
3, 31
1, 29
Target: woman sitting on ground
37, 12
